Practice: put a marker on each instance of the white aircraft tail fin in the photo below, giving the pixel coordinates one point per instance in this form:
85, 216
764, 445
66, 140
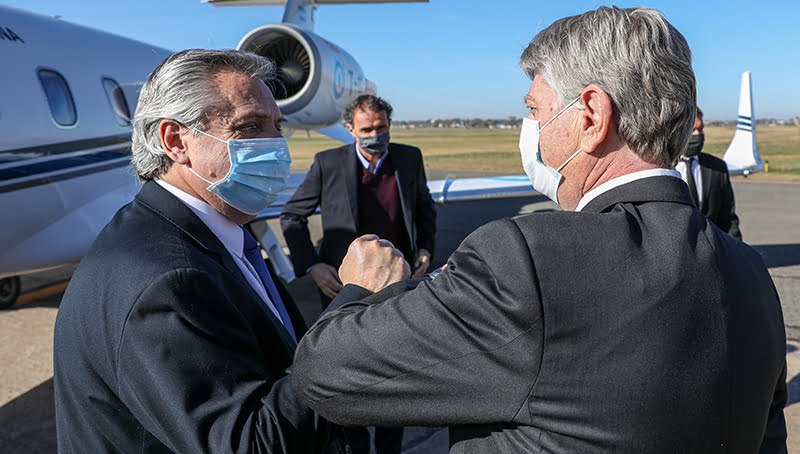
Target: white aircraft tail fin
742, 155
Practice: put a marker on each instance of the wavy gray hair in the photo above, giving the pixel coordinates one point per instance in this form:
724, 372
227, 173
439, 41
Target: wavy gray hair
181, 89
641, 61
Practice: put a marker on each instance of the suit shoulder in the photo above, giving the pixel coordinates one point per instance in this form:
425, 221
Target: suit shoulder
403, 148
333, 153
712, 162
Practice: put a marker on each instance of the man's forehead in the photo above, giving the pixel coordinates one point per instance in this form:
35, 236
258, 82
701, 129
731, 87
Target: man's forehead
233, 105
368, 111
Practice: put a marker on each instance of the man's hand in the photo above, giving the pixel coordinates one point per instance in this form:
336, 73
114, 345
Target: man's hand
326, 278
373, 263
422, 263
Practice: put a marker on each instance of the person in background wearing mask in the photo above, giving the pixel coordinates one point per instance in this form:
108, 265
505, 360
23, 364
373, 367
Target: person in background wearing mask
370, 186
625, 323
709, 182
173, 336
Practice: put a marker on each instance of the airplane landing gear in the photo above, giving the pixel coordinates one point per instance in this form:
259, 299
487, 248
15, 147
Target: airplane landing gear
9, 291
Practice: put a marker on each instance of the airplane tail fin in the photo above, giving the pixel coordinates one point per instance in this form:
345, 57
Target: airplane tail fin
742, 155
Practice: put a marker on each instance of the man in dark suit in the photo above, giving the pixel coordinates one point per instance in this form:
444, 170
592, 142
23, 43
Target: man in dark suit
626, 323
709, 182
172, 335
370, 186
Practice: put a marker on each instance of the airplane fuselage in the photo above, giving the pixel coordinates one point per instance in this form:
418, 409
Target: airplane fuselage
65, 152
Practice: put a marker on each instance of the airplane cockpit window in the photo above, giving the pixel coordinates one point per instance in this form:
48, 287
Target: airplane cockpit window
118, 102
62, 106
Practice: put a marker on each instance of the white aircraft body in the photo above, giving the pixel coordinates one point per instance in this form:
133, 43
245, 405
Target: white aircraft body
742, 155
69, 92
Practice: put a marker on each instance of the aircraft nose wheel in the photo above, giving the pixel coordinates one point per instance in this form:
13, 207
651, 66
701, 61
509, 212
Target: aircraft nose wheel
9, 291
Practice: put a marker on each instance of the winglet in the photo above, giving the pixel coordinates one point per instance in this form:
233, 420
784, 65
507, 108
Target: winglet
742, 155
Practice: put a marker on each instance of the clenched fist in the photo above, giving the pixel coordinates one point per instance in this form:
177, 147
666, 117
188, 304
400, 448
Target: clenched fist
373, 264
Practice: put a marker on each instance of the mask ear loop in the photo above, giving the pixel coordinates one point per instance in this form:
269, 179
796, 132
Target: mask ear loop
560, 112
568, 160
230, 159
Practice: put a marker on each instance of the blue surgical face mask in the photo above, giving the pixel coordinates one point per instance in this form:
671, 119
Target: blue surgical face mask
544, 178
259, 172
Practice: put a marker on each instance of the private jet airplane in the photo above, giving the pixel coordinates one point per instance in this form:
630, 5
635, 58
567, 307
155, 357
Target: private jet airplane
64, 156
65, 121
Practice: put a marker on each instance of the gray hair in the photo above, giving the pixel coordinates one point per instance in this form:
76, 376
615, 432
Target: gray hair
641, 61
181, 89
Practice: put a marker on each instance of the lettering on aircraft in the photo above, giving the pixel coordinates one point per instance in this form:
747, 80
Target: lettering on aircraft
7, 34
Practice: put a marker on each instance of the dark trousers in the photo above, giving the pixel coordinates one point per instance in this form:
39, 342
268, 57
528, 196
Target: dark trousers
388, 440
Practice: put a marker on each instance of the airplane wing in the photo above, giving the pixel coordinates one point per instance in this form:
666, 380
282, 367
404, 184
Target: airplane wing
442, 191
337, 132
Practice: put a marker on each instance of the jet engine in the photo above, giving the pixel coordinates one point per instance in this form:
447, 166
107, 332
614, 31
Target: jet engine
316, 78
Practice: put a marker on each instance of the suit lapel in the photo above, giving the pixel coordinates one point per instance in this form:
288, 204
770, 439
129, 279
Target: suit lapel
351, 164
706, 175
174, 211
401, 173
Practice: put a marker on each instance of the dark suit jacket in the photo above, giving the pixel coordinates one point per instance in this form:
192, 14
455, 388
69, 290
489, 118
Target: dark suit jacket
161, 345
718, 204
331, 183
634, 325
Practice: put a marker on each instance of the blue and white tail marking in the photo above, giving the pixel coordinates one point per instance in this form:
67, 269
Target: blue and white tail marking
742, 155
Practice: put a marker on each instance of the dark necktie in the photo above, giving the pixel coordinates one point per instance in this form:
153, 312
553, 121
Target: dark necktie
690, 179
253, 254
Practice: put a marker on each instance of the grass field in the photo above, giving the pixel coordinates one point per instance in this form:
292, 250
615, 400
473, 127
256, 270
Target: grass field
496, 150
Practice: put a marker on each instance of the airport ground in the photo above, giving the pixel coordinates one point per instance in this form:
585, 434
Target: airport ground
770, 222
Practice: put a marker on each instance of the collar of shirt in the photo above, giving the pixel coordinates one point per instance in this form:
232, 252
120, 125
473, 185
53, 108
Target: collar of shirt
366, 163
619, 181
228, 232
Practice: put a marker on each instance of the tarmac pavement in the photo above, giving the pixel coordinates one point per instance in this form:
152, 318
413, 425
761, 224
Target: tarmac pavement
770, 222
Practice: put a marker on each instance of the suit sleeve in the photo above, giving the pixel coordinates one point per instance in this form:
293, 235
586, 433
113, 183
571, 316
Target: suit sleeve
775, 434
190, 373
425, 215
463, 348
294, 219
729, 210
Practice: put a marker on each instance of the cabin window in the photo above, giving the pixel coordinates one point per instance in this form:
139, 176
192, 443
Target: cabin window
62, 106
116, 98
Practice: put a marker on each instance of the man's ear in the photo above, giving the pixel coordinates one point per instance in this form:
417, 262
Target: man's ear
171, 134
597, 117
351, 130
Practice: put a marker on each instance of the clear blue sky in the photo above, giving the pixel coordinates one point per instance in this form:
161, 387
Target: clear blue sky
459, 58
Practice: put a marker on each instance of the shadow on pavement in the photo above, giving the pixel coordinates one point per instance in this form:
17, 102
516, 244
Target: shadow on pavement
28, 422
777, 255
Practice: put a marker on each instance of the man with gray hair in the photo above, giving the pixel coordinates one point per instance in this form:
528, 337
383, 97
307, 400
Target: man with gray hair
625, 323
173, 336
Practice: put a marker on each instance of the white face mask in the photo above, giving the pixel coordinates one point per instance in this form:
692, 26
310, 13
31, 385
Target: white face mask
544, 178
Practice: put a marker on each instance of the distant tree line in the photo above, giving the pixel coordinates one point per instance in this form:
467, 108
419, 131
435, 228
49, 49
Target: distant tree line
467, 123
514, 122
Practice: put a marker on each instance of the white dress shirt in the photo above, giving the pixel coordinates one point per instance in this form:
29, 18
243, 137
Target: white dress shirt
619, 181
229, 233
367, 164
698, 179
